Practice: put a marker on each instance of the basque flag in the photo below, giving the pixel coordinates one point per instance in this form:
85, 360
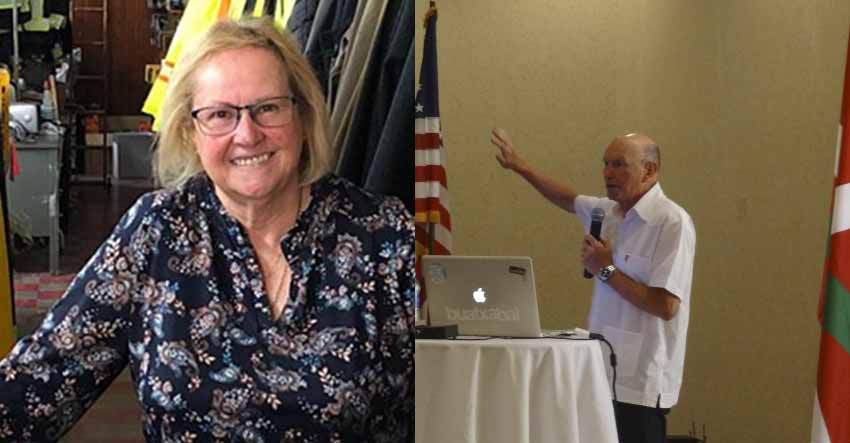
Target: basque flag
831, 417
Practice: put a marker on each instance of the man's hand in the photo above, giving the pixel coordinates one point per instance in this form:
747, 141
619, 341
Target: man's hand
596, 254
506, 156
561, 195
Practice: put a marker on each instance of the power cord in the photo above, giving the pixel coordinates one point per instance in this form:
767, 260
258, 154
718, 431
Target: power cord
613, 358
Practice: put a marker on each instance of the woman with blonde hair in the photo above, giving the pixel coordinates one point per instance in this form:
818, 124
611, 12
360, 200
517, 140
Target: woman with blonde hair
257, 297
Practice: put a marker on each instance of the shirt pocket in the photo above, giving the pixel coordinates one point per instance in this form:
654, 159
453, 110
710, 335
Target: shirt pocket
634, 265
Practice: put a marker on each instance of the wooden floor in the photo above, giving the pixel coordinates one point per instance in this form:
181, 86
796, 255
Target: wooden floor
93, 212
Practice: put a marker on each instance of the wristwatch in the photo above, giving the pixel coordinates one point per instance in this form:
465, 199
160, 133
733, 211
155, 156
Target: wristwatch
606, 272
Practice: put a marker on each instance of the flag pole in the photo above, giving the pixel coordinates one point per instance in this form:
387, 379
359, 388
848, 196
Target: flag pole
432, 9
431, 234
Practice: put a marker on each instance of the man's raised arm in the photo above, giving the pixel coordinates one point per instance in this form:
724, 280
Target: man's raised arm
559, 194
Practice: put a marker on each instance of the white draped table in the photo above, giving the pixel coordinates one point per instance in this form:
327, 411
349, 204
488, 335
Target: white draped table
512, 391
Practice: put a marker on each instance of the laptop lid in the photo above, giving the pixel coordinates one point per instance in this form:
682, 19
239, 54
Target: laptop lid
488, 296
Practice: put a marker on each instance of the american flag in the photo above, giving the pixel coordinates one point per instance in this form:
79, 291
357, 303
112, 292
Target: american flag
433, 222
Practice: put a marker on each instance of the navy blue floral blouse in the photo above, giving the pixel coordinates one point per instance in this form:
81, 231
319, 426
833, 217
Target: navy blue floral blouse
177, 293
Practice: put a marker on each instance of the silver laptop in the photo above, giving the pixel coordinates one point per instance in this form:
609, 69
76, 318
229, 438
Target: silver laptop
488, 296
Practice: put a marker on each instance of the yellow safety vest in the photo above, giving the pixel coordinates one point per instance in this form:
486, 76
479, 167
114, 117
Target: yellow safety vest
38, 22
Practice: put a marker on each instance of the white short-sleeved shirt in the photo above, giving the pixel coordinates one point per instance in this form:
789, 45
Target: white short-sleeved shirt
654, 244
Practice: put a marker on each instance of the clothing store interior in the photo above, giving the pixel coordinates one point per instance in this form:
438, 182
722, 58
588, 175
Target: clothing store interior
82, 81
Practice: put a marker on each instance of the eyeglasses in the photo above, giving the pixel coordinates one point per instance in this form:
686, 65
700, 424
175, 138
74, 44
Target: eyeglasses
223, 119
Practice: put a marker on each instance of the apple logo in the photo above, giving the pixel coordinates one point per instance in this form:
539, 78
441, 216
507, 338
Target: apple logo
479, 295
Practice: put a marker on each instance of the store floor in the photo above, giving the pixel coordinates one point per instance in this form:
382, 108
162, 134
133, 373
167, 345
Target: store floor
94, 210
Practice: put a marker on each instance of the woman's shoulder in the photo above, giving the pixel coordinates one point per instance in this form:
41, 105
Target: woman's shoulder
342, 194
166, 203
188, 196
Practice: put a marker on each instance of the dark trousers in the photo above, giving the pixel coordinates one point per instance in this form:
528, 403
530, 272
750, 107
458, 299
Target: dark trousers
641, 424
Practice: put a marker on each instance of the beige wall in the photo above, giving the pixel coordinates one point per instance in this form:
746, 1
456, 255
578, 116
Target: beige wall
743, 96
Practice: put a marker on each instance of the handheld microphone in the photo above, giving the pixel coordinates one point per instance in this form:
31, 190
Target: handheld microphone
596, 217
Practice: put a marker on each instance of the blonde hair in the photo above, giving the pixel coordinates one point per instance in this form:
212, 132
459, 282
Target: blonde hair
176, 160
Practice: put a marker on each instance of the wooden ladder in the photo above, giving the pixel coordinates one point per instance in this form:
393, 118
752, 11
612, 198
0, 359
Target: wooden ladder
90, 25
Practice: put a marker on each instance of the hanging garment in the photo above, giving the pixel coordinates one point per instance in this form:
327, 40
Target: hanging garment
353, 74
332, 20
392, 165
323, 9
383, 74
301, 20
38, 22
342, 53
385, 85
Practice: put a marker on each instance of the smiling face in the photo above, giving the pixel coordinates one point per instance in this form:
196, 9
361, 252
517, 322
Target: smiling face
251, 163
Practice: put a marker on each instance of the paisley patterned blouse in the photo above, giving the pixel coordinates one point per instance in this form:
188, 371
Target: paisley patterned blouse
176, 292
